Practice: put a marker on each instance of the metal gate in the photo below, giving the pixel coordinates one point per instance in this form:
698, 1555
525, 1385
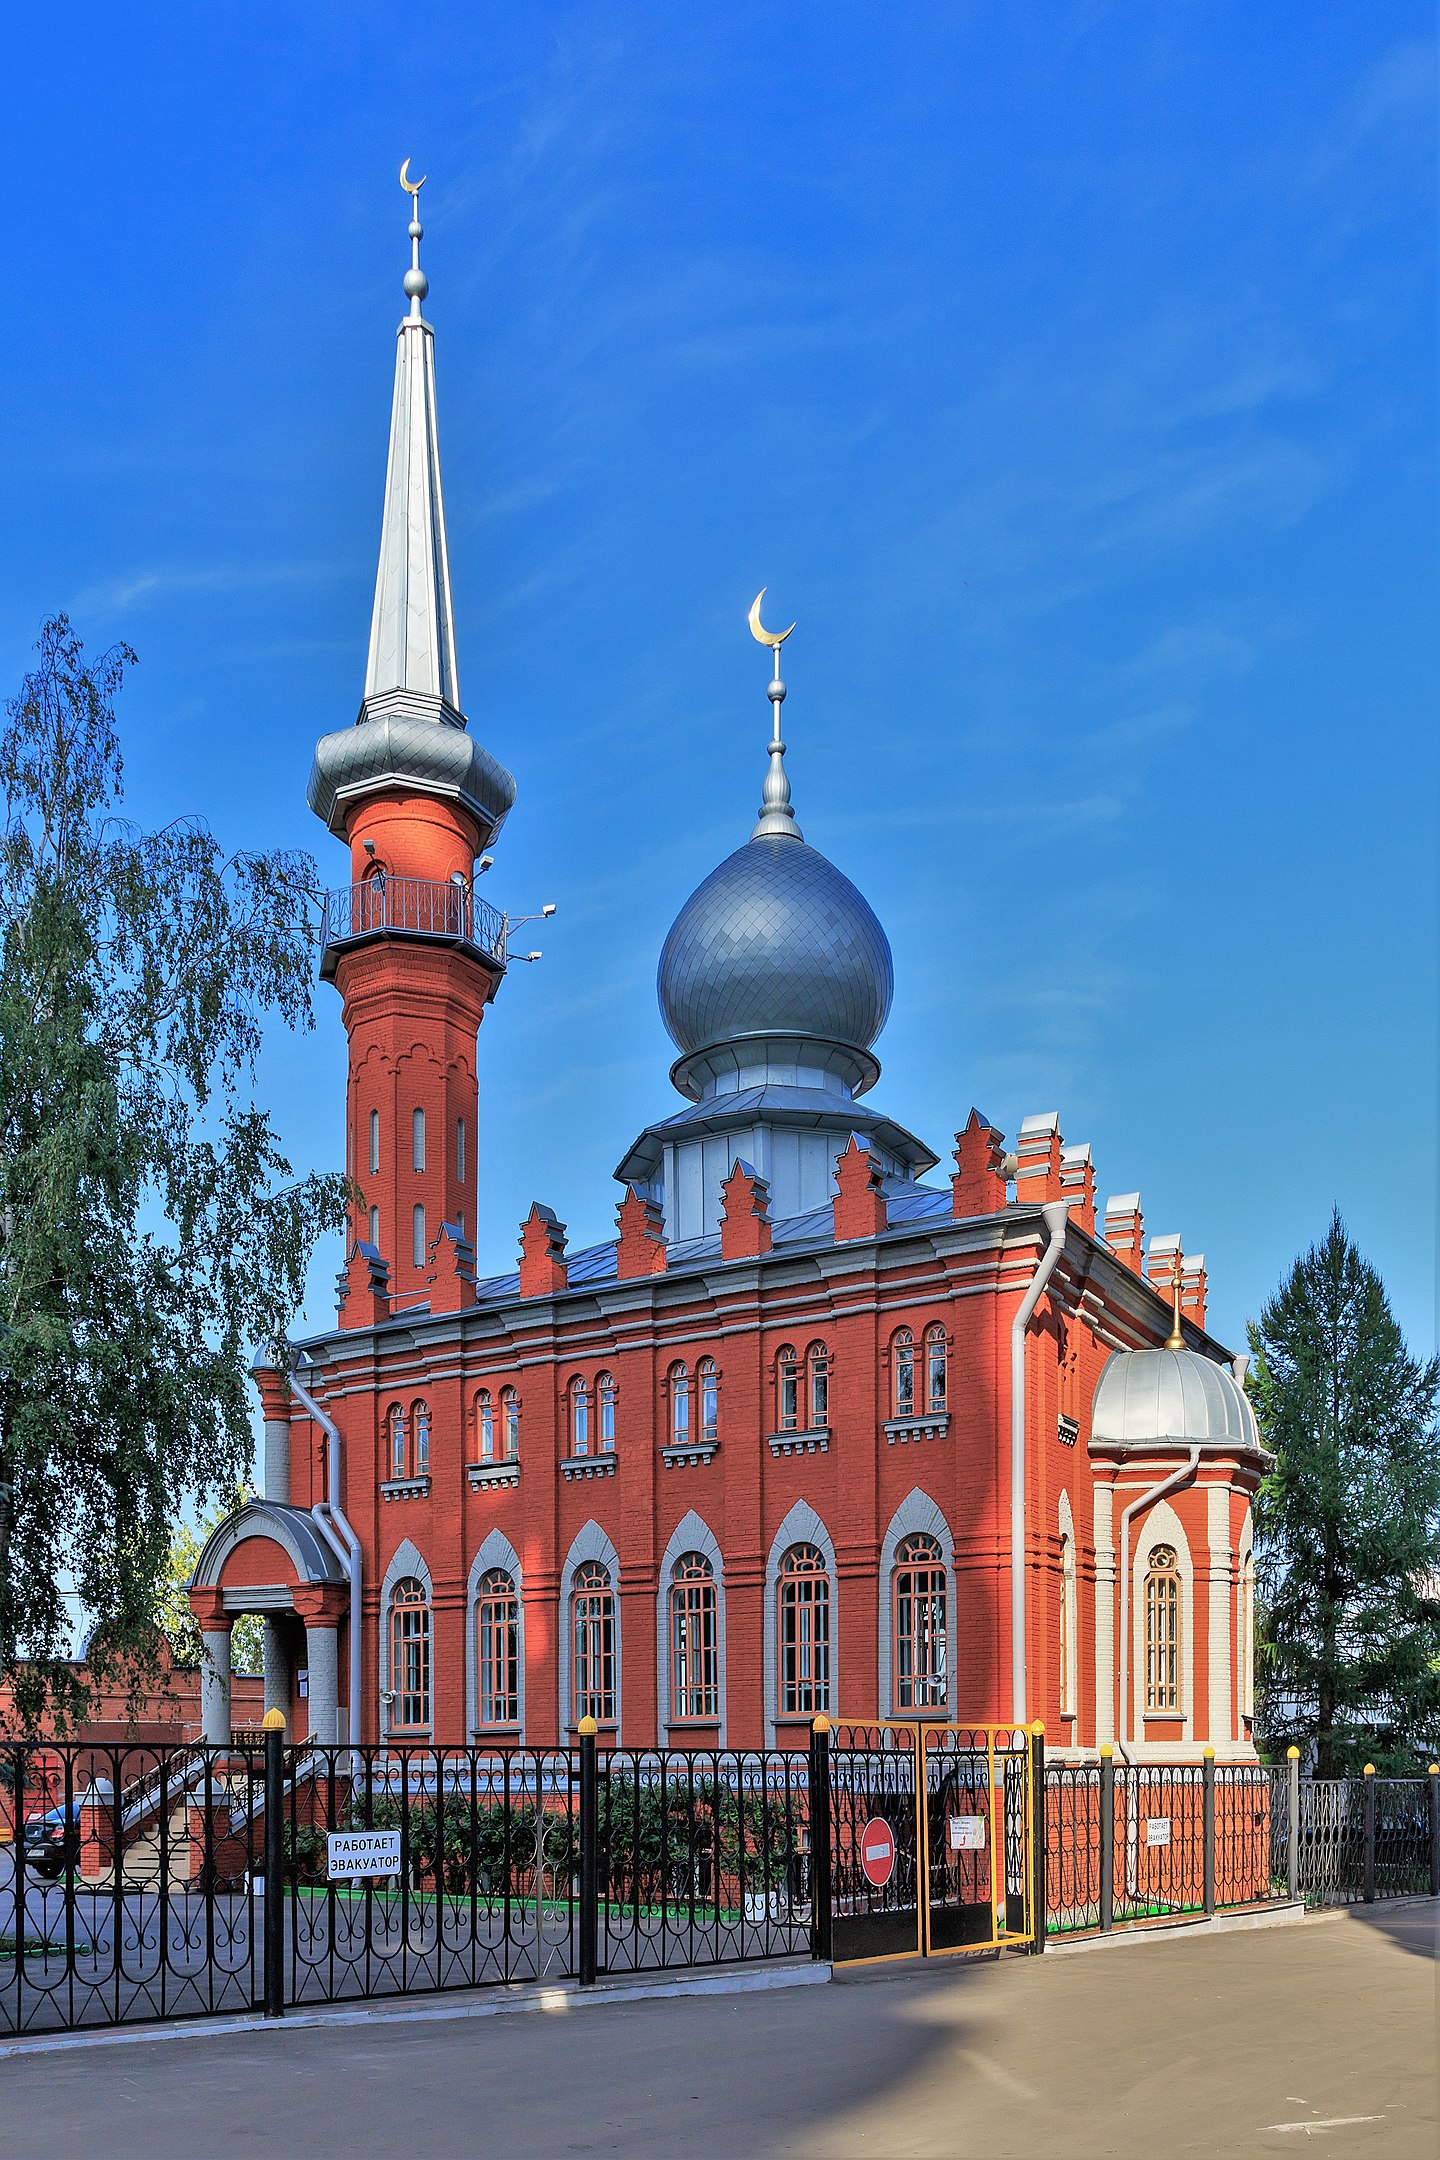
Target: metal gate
932, 1838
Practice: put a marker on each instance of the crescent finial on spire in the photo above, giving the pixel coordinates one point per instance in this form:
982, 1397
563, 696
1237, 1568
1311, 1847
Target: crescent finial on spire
776, 816
416, 282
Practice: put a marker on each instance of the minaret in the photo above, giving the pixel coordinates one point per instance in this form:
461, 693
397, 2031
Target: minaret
415, 955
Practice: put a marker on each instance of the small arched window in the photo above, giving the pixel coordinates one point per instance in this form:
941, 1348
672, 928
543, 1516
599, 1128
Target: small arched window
498, 1623
817, 1359
417, 1236
372, 897
510, 1423
1068, 1642
679, 1384
396, 1448
1162, 1630
935, 1373
417, 1140
709, 1399
579, 1417
593, 1623
787, 1389
375, 1227
374, 1140
420, 1414
605, 1401
804, 1633
484, 1426
694, 1639
902, 1355
921, 1672
460, 1150
410, 1656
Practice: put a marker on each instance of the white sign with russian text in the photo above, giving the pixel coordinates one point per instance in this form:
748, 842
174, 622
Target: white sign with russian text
354, 1854
967, 1833
1157, 1829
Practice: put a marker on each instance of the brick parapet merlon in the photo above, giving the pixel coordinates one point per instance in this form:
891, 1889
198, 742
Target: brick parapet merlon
543, 1266
745, 1231
858, 1208
979, 1184
640, 1249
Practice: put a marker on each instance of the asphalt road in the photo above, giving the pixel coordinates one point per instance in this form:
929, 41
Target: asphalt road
1271, 2041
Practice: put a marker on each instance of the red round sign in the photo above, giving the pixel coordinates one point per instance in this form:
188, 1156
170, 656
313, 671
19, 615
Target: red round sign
877, 1851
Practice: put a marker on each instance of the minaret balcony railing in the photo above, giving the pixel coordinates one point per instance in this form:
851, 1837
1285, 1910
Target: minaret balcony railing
410, 907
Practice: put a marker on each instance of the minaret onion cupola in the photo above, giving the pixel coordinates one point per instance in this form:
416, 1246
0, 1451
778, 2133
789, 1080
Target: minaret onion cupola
415, 955
774, 982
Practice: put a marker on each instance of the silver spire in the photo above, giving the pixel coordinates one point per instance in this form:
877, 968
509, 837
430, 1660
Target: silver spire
412, 629
776, 816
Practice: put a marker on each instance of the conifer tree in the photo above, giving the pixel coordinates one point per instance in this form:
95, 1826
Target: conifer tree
1347, 1523
151, 1231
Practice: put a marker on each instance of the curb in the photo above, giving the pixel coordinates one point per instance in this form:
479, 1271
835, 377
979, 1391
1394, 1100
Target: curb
1289, 1914
558, 1998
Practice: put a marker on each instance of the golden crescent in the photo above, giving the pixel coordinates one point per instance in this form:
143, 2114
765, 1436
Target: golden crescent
761, 635
411, 187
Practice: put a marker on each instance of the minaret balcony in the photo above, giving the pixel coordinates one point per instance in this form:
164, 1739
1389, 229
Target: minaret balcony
430, 908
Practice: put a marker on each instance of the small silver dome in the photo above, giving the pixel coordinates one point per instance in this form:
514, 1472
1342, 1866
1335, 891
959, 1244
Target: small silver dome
776, 941
1149, 1395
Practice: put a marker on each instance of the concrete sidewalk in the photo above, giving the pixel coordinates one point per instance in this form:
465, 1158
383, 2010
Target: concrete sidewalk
1230, 2043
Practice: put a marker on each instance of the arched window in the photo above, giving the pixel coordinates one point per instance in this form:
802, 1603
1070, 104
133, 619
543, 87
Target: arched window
679, 1405
694, 1639
902, 1352
1247, 1636
410, 1657
1068, 1632
817, 1359
417, 1237
372, 896
593, 1620
709, 1399
460, 1151
510, 1422
1162, 1630
579, 1417
787, 1389
935, 1375
498, 1622
485, 1426
921, 1671
804, 1633
605, 1399
374, 1139
375, 1227
420, 1414
417, 1140
397, 1442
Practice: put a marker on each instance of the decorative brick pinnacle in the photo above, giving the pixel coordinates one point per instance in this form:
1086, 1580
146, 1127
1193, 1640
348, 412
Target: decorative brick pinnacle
543, 1267
640, 1247
745, 1230
978, 1186
858, 1207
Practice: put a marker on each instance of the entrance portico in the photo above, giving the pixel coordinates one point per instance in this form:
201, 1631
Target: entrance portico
269, 1559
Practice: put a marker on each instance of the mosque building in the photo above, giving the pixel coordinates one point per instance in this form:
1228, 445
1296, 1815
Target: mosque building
824, 1427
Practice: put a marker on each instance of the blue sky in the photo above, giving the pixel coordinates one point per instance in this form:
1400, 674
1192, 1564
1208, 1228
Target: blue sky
1067, 371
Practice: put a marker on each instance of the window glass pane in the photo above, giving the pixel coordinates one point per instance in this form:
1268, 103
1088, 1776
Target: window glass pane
510, 1403
418, 1139
935, 1372
819, 1385
375, 1226
374, 1139
679, 1405
422, 1439
788, 1366
498, 1622
607, 1411
904, 1373
921, 1673
593, 1618
580, 1419
460, 1150
709, 1401
804, 1633
410, 1656
418, 1237
397, 1443
694, 1640
485, 1418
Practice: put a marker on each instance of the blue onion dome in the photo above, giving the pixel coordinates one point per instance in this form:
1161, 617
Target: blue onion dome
776, 943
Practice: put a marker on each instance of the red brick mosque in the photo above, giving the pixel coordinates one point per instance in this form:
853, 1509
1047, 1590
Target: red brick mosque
835, 1421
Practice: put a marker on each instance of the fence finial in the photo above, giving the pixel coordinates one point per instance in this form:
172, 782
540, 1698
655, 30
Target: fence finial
1369, 1770
1292, 1754
587, 1728
1106, 1750
1208, 1753
273, 1721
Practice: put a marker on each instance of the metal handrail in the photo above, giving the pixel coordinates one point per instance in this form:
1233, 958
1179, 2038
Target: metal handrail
414, 907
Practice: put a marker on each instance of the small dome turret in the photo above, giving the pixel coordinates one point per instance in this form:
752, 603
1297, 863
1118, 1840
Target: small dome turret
1145, 1397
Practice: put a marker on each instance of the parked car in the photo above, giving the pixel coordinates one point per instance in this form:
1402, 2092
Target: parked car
52, 1842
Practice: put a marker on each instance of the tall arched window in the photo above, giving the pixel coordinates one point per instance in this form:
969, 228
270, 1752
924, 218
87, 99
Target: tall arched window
372, 896
374, 1140
694, 1639
397, 1442
921, 1671
498, 1622
410, 1657
592, 1605
485, 1426
1247, 1636
417, 1140
817, 1360
1068, 1631
935, 1373
605, 1401
579, 1417
417, 1236
1162, 1630
679, 1384
460, 1151
902, 1353
787, 1389
804, 1633
420, 1414
510, 1422
709, 1399
375, 1227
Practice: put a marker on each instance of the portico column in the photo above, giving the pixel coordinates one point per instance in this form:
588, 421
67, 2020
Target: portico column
215, 1685
321, 1637
277, 1669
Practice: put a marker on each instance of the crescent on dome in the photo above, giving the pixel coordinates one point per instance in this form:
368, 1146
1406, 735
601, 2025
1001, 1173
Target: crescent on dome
411, 187
774, 638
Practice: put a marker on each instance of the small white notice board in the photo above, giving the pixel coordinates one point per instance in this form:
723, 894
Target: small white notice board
967, 1833
354, 1854
1157, 1829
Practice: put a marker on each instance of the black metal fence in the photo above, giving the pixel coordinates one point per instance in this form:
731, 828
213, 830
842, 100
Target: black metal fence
145, 1883
1153, 1841
1347, 1841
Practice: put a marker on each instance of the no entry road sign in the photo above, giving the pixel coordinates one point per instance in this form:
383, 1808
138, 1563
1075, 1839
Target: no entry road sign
877, 1851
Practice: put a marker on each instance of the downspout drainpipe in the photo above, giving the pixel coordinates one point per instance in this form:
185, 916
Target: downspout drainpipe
329, 1519
1057, 1215
1167, 1484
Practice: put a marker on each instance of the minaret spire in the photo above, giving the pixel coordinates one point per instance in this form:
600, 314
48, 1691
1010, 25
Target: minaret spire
776, 816
412, 629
